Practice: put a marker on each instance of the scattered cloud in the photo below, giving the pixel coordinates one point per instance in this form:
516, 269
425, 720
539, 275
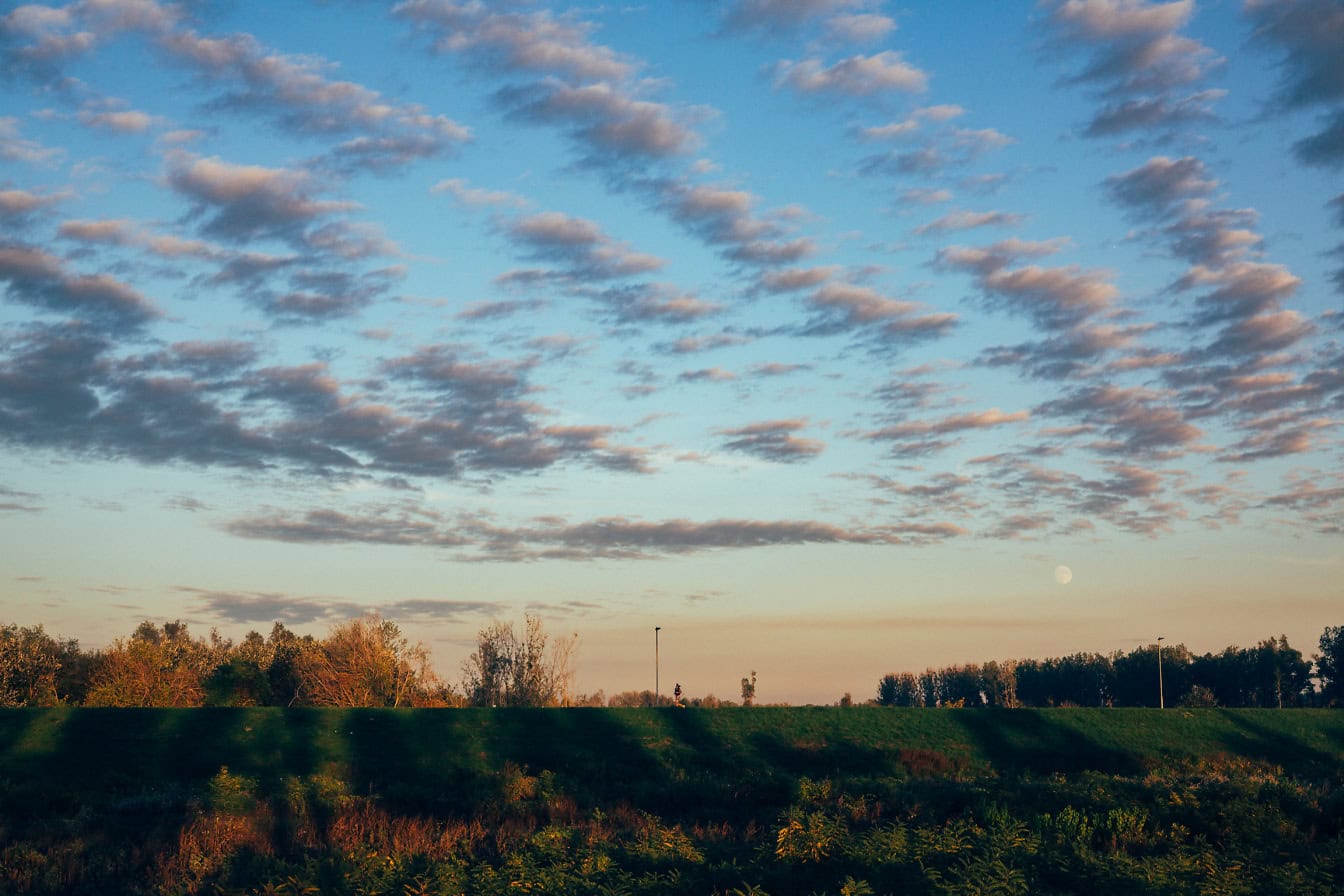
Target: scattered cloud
620, 538
1309, 33
968, 220
1136, 61
855, 76
244, 202
37, 278
580, 246
772, 440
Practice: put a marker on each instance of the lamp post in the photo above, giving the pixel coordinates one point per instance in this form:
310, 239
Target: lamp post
1161, 693
657, 692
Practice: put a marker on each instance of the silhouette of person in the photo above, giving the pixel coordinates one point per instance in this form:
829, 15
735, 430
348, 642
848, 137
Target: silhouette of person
676, 695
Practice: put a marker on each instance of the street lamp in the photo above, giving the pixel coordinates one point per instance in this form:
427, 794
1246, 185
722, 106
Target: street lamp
657, 692
1161, 694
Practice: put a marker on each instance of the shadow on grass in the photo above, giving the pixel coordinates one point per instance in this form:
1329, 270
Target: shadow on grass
1029, 739
458, 762
1274, 744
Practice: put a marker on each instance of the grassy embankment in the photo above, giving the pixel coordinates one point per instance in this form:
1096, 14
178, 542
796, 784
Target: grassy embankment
664, 801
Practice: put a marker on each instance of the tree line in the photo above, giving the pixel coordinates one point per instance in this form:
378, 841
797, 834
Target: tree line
1271, 674
365, 661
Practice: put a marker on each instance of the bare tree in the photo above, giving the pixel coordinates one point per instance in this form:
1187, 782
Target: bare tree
509, 668
749, 690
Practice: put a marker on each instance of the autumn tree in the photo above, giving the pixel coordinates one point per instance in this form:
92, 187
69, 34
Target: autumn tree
363, 662
30, 665
527, 668
156, 667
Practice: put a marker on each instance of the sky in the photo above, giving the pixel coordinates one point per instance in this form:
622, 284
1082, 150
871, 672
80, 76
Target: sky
819, 333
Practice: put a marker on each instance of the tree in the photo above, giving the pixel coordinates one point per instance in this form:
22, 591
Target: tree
156, 667
645, 697
364, 662
30, 665
899, 690
509, 668
749, 690
1136, 675
999, 681
1282, 676
1270, 674
1330, 665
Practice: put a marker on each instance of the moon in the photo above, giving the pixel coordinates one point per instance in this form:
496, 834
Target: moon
1063, 575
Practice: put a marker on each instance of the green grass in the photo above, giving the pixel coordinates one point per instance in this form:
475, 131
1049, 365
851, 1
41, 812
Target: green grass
86, 755
112, 800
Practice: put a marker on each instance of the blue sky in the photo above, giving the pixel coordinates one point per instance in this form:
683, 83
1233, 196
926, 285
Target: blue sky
819, 333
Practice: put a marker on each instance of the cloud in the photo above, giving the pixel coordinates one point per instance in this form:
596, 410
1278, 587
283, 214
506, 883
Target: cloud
18, 206
847, 307
122, 232
1136, 60
439, 412
291, 91
1317, 498
896, 130
1310, 33
955, 423
707, 375
925, 195
856, 76
261, 607
247, 202
1278, 435
1055, 298
942, 149
580, 245
468, 195
1135, 421
16, 148
36, 277
1241, 290
475, 538
1153, 113
298, 98
921, 438
772, 440
584, 87
606, 118
726, 218
794, 279
1134, 44
1161, 185
690, 345
1074, 352
499, 309
860, 28
782, 15
509, 41
658, 303
1038, 497
16, 501
119, 121
967, 220
777, 368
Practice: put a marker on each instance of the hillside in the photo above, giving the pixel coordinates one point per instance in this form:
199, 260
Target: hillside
782, 799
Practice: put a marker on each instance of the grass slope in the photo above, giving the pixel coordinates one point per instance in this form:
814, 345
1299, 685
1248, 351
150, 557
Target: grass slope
109, 800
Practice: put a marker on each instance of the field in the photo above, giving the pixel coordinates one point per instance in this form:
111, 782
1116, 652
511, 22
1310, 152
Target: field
761, 800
